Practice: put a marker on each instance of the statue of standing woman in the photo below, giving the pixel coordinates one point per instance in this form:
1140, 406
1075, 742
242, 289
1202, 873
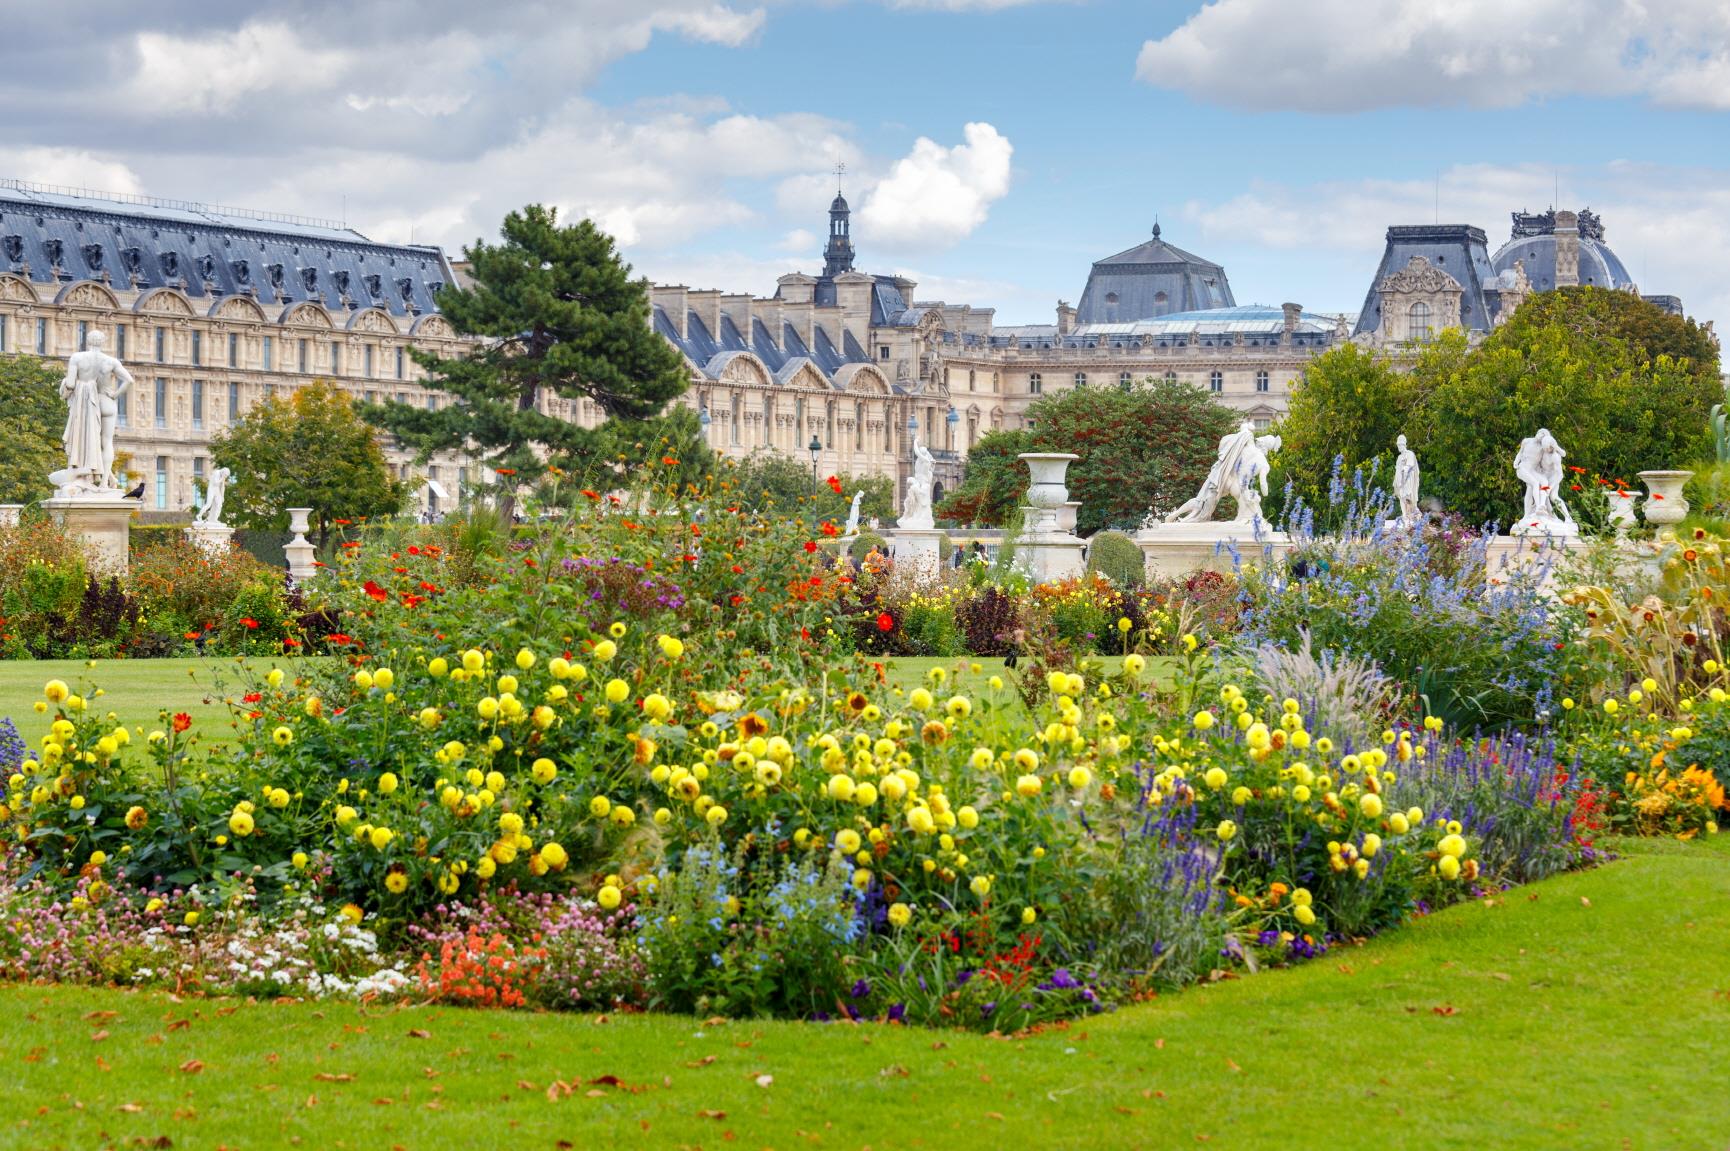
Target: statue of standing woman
1406, 474
94, 383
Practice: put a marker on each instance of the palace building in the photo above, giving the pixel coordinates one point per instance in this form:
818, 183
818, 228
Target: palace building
848, 366
212, 309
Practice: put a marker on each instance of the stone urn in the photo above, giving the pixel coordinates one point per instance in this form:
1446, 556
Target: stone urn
1068, 515
1665, 503
299, 551
1048, 492
1624, 507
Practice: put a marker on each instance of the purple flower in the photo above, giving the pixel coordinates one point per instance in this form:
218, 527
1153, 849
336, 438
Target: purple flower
861, 989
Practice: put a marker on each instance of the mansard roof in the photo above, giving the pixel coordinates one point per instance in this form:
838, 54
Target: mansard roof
209, 253
1151, 280
834, 358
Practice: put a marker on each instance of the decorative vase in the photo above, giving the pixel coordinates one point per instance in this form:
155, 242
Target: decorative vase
298, 522
1665, 503
1623, 508
1047, 492
1067, 515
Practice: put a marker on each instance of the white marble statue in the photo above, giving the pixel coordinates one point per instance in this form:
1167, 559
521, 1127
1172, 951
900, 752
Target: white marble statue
94, 383
916, 509
852, 528
214, 493
1240, 472
1538, 464
1406, 476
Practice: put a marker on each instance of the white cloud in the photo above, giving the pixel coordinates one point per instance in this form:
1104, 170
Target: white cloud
716, 24
963, 5
799, 242
69, 168
1670, 225
1345, 55
213, 73
935, 196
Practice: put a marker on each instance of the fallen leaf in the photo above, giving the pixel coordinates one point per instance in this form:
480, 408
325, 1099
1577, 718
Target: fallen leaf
711, 1114
1159, 1043
132, 1108
180, 1025
715, 1021
765, 1080
525, 1085
894, 1071
98, 1036
192, 1066
595, 1093
997, 1115
417, 1033
703, 1062
607, 1081
101, 1016
1233, 1065
333, 1077
939, 1045
1445, 1009
1584, 902
1502, 975
382, 1101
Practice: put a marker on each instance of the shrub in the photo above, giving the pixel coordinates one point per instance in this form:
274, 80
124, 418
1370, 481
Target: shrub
989, 622
1118, 558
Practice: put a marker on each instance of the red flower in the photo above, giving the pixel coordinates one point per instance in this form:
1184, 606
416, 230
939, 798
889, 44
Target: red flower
413, 550
591, 495
291, 643
339, 638
249, 623
670, 461
830, 529
804, 633
251, 697
182, 721
810, 545
885, 621
344, 523
376, 592
834, 483
737, 600
1657, 495
506, 471
737, 570
191, 635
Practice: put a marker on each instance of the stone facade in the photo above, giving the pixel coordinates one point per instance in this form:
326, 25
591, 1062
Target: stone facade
202, 348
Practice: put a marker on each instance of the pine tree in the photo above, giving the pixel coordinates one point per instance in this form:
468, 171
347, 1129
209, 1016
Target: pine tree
555, 313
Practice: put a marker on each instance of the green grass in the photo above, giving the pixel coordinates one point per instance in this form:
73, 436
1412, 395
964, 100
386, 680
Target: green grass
135, 690
1587, 1011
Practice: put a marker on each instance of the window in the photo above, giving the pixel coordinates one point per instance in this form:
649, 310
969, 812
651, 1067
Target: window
41, 336
335, 358
83, 335
859, 427
1418, 322
3, 332
1125, 381
1261, 381
1081, 379
1171, 377
197, 405
738, 417
829, 423
401, 364
197, 349
1216, 381
304, 352
996, 385
160, 411
198, 478
1034, 383
162, 345
161, 483
269, 389
372, 397
269, 354
122, 416
370, 374
233, 402
432, 493
432, 402
970, 378
234, 349
882, 351
119, 341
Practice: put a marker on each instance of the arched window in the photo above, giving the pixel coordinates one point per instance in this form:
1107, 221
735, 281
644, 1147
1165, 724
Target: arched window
1125, 381
1034, 384
1081, 379
738, 416
970, 377
1171, 377
1216, 381
858, 427
1261, 381
1418, 322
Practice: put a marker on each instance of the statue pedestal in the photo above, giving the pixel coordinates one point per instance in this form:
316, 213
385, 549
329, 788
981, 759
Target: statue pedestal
10, 515
1047, 552
1532, 551
918, 552
214, 539
1175, 550
103, 524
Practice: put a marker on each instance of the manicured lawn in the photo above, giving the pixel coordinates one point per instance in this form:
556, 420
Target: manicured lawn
1587, 1011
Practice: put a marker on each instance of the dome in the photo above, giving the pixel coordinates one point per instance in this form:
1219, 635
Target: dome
839, 204
1151, 280
1534, 245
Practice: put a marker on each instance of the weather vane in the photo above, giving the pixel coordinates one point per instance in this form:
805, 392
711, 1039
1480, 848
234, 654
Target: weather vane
840, 171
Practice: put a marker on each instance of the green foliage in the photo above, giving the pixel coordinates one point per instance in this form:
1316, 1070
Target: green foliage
772, 482
557, 314
1141, 448
1350, 403
311, 450
1623, 385
31, 422
1117, 557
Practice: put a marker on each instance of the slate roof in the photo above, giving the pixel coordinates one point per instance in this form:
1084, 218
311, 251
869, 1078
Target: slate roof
1460, 250
1151, 280
1599, 266
65, 237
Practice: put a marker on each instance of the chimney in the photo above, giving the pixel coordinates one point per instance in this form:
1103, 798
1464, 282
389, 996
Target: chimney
1292, 312
707, 305
670, 298
1065, 318
737, 307
1567, 233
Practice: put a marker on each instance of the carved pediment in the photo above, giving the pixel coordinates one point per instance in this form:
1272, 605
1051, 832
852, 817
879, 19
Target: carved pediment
239, 308
1419, 277
164, 301
15, 288
88, 294
372, 320
308, 315
435, 328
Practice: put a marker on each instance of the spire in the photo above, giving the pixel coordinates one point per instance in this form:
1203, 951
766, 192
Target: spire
838, 253
1156, 227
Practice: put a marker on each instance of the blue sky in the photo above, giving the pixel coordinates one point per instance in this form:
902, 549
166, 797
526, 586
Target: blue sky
995, 147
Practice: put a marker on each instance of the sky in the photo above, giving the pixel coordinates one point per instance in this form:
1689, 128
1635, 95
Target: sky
993, 148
